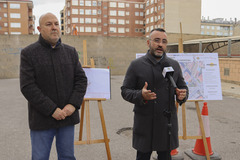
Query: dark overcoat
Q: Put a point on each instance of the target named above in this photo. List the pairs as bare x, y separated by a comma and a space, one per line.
51, 78
150, 132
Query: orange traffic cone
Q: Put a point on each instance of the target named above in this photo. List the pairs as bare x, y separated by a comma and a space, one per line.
199, 146
174, 152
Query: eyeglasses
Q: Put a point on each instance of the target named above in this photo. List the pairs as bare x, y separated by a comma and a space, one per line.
158, 40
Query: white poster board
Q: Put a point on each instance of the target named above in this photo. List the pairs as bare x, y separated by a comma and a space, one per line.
201, 73
98, 83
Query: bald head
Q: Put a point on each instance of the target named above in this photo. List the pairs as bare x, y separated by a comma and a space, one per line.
44, 16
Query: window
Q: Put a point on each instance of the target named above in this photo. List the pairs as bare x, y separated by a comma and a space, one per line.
88, 11
147, 12
152, 9
141, 13
14, 6
140, 22
113, 29
88, 3
68, 13
151, 19
74, 20
127, 21
136, 29
99, 3
99, 11
113, 13
94, 20
113, 21
113, 4
94, 29
15, 15
75, 2
15, 32
141, 6
99, 29
136, 5
147, 20
121, 21
152, 1
94, 12
121, 5
74, 11
88, 29
127, 4
121, 13
99, 20
82, 4
94, 3
121, 30
81, 20
88, 20
4, 5
202, 26
136, 13
81, 11
15, 25
127, 13
162, 6
5, 15
81, 29
127, 29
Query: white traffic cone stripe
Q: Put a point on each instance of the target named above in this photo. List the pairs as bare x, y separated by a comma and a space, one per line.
205, 120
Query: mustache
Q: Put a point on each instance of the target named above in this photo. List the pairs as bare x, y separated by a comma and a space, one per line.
160, 48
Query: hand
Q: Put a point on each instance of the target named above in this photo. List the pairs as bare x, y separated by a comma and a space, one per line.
147, 94
69, 109
59, 114
181, 93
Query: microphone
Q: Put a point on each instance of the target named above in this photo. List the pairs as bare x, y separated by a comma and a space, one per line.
168, 72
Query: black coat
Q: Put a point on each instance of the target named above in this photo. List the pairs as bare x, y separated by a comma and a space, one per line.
150, 132
51, 78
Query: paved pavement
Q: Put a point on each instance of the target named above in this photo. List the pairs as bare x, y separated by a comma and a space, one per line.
14, 133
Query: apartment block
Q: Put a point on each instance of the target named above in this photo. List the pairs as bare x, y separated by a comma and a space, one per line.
134, 18
217, 26
16, 17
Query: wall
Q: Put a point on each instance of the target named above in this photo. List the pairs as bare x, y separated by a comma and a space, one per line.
230, 69
113, 52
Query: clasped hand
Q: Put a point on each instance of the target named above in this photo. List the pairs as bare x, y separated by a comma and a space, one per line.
61, 114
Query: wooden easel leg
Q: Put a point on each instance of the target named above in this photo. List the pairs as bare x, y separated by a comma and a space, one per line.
202, 131
81, 121
106, 140
184, 121
88, 122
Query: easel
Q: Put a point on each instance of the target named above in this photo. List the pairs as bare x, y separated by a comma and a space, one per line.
185, 137
86, 104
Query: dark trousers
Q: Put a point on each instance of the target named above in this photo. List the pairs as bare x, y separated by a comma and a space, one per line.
163, 155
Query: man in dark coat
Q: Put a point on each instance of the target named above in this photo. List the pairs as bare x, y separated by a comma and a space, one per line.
54, 84
152, 94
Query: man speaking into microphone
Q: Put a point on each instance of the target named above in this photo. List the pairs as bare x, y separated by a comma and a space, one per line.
146, 85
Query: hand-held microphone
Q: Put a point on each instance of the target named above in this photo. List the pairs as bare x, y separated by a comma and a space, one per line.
168, 72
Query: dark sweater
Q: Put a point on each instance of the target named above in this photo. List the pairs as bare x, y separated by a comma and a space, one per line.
51, 78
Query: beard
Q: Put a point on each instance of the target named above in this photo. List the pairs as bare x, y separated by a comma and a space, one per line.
156, 55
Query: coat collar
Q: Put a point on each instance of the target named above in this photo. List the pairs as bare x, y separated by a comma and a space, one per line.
46, 44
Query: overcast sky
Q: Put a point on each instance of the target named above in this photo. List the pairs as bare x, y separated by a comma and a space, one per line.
210, 8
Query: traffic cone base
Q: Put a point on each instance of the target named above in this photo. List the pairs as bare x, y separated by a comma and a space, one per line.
199, 147
174, 152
